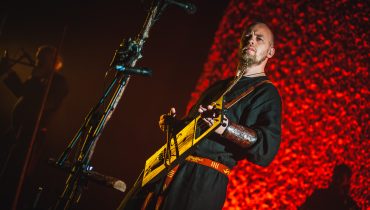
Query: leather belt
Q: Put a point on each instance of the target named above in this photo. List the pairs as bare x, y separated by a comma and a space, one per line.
210, 163
199, 160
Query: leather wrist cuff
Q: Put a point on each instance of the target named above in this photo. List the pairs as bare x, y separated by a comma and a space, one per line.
242, 136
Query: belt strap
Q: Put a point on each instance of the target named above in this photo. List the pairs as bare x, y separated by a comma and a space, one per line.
199, 160
210, 163
169, 178
247, 92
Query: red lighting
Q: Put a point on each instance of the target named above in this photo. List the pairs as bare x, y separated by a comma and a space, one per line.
321, 69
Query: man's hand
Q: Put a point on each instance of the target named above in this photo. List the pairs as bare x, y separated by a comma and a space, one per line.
209, 115
165, 119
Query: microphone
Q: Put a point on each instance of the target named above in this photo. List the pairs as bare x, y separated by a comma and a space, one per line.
108, 181
189, 7
94, 176
143, 71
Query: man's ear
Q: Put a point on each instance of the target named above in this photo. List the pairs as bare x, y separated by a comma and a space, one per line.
271, 52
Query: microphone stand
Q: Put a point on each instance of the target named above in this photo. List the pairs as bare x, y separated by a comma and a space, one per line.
128, 53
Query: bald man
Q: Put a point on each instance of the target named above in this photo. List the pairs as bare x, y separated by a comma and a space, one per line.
250, 130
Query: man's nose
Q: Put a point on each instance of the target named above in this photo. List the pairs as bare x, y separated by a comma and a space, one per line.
251, 41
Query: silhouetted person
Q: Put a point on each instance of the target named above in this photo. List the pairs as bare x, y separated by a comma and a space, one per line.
336, 196
24, 118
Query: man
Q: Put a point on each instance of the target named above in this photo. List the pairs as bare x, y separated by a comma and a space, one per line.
251, 130
30, 95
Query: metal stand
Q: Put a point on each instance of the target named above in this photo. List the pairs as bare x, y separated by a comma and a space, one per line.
126, 56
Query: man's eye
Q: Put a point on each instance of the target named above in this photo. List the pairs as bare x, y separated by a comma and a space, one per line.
247, 37
259, 39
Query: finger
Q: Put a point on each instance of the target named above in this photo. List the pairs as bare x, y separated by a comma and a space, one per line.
209, 107
161, 119
201, 109
207, 122
210, 120
173, 112
161, 125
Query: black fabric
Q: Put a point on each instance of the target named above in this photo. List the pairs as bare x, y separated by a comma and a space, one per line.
260, 110
196, 186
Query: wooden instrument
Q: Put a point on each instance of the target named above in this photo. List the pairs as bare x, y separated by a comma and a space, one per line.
180, 145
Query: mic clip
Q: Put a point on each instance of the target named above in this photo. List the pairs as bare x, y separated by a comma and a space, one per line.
142, 71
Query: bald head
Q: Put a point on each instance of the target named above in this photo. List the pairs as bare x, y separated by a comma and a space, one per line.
256, 45
264, 27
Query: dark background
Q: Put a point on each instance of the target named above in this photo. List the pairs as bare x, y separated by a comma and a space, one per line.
177, 47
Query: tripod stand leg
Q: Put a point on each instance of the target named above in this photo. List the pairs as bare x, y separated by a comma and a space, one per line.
133, 191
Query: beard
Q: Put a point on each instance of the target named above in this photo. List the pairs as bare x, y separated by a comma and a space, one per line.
247, 60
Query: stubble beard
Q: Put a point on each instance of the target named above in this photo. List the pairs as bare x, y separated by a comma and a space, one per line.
247, 61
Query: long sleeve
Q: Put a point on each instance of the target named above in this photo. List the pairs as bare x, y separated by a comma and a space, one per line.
265, 113
259, 111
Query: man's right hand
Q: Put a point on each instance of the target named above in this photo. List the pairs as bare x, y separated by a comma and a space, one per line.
165, 119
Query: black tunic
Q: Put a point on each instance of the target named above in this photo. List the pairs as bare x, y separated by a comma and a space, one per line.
198, 187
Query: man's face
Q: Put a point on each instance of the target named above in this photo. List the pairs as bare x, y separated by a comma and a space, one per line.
256, 45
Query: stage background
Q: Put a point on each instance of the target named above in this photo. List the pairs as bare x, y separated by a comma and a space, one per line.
320, 67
